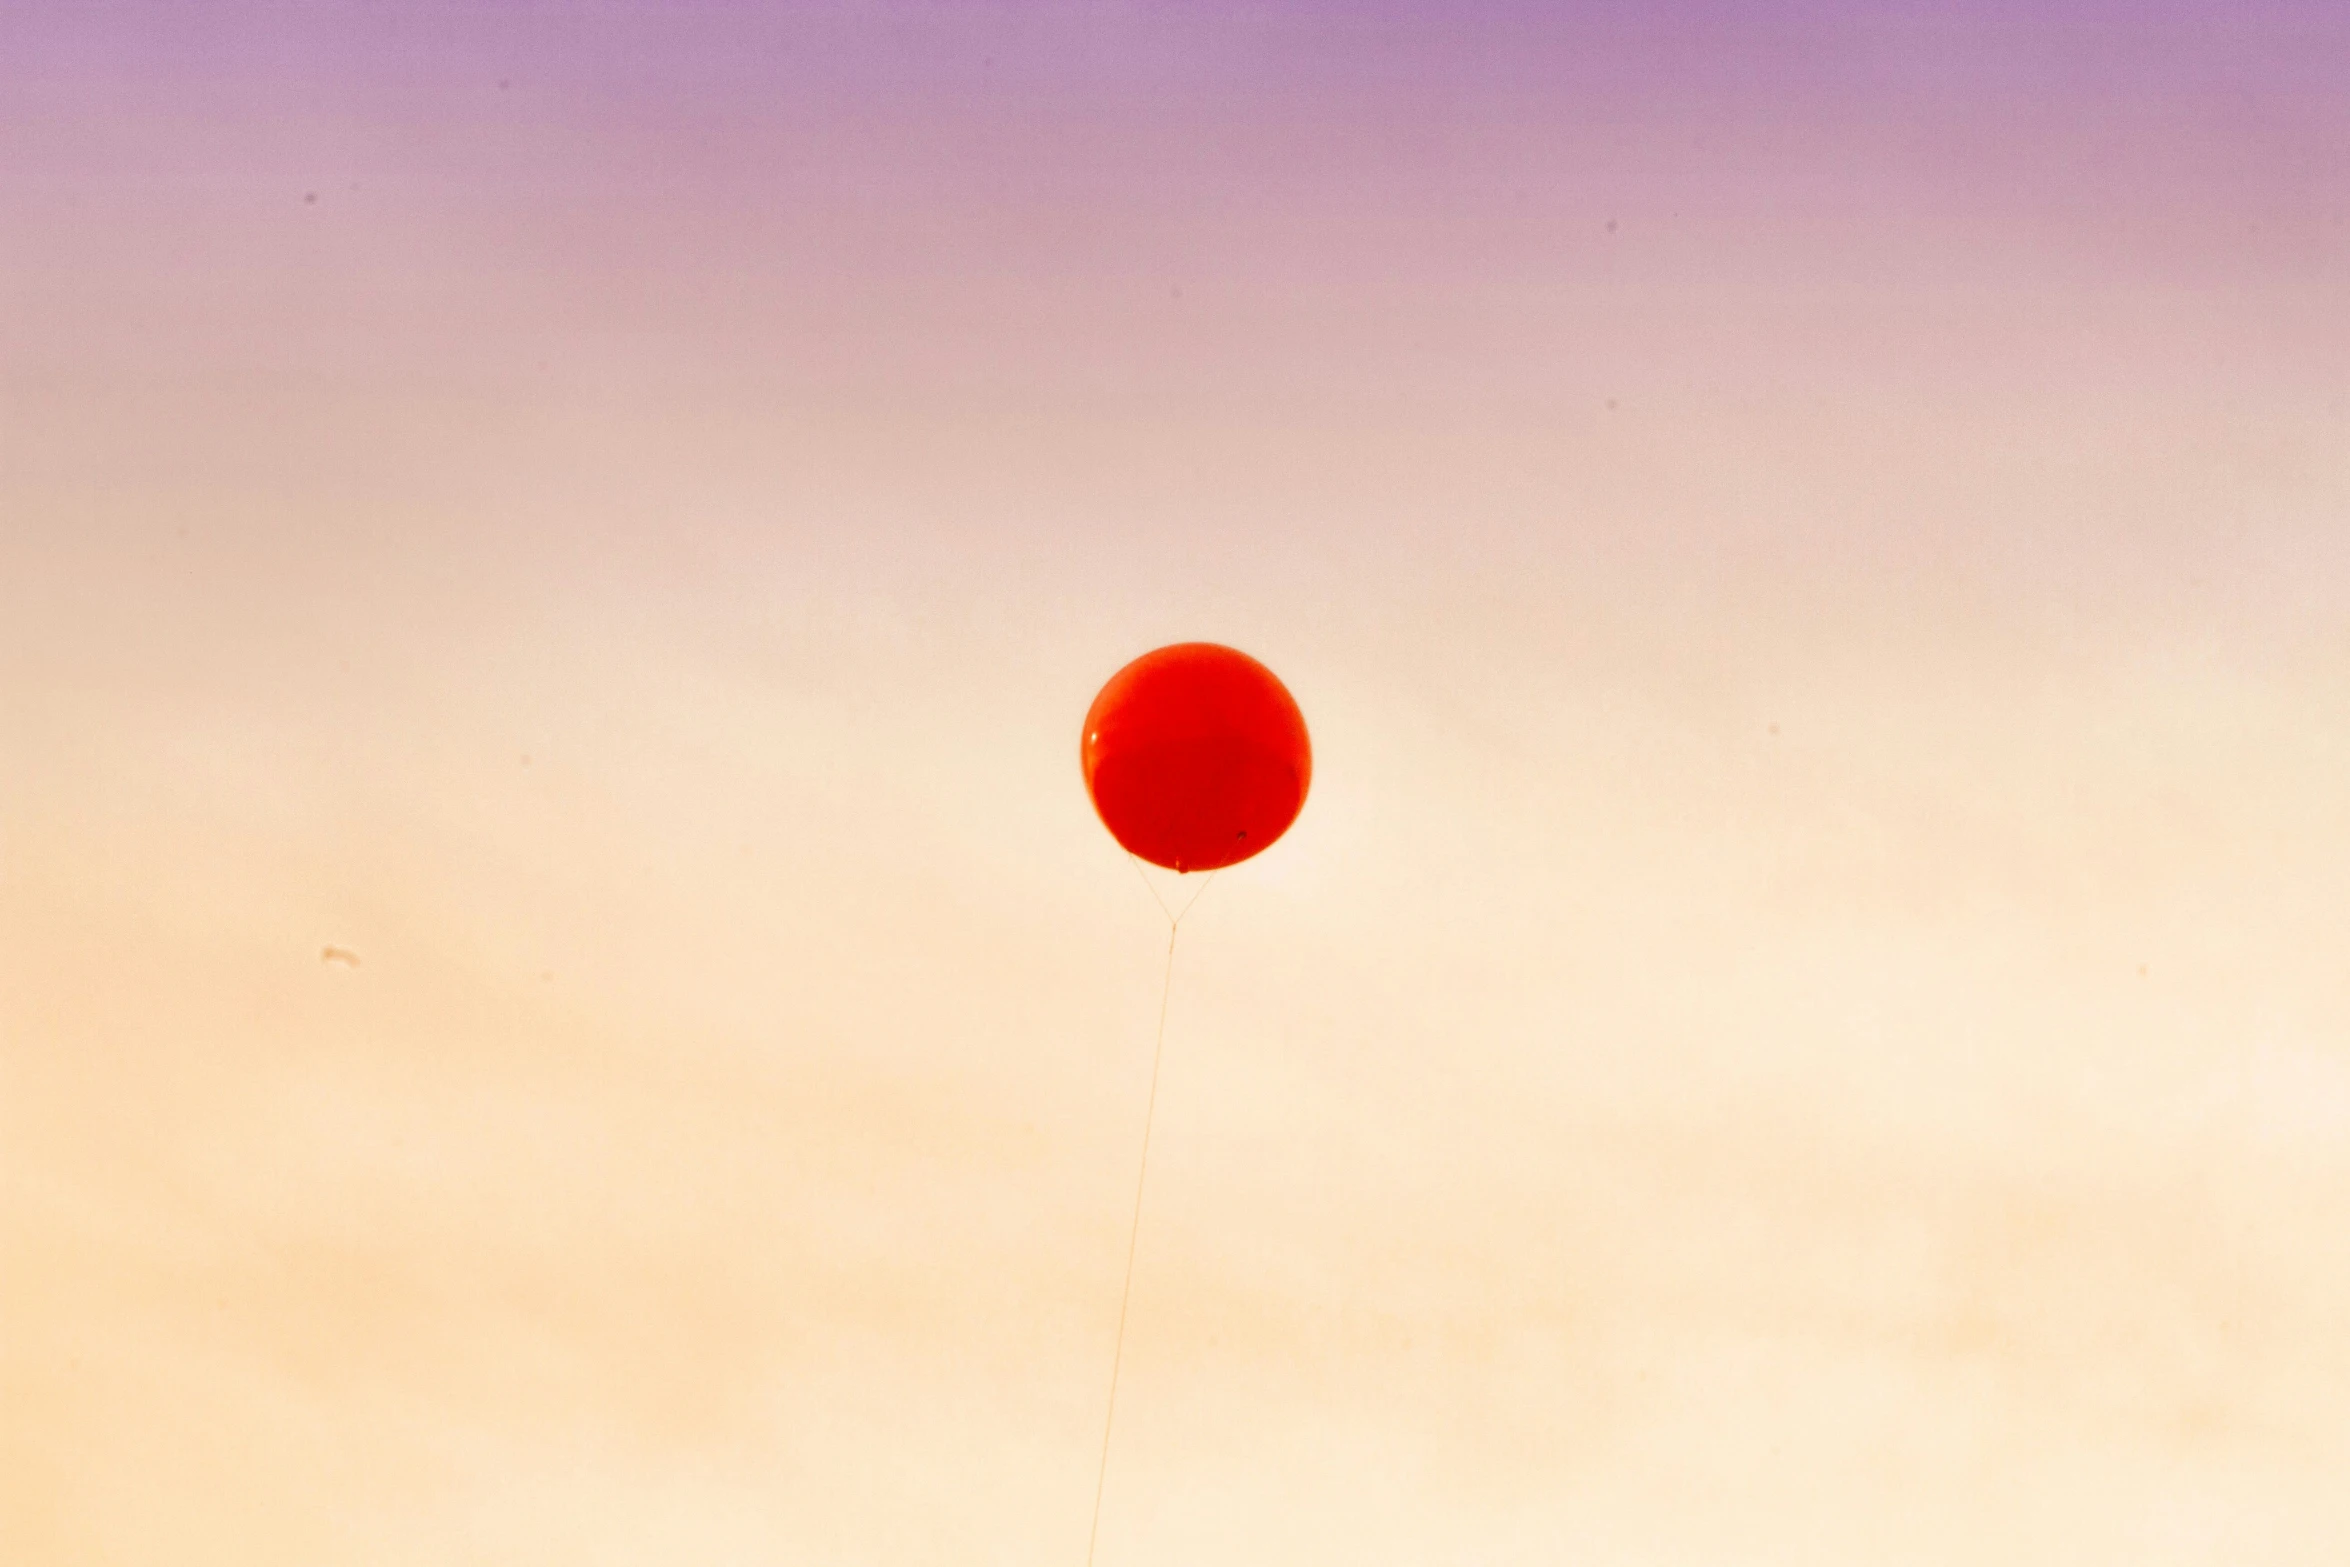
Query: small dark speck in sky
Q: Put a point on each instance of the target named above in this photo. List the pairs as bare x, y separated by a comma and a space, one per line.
342, 955
1611, 225
1611, 405
1774, 729
504, 82
310, 198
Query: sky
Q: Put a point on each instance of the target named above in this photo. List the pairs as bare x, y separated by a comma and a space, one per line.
1804, 1020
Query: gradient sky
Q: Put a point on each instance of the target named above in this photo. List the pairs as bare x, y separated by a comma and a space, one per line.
1805, 1021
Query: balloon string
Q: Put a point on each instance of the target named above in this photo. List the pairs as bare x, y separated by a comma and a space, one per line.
1210, 881
1150, 1117
1173, 917
1144, 877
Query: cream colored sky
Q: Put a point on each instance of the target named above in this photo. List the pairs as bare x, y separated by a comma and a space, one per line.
1607, 1128
1803, 1021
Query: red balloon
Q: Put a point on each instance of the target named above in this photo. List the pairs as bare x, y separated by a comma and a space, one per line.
1196, 757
